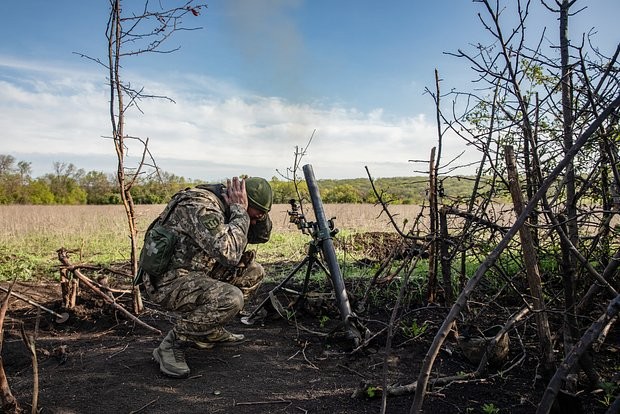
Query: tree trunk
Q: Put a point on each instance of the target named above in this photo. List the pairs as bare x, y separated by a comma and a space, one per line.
531, 265
117, 117
431, 294
446, 266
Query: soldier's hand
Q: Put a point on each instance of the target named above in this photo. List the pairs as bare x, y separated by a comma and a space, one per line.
247, 258
235, 192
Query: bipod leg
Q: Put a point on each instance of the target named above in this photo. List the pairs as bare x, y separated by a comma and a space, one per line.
312, 259
322, 266
249, 319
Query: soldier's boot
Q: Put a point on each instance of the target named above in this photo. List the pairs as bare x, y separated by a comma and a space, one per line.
171, 357
217, 336
222, 336
197, 341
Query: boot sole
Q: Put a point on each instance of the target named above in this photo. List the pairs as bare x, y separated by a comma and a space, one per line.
163, 370
210, 345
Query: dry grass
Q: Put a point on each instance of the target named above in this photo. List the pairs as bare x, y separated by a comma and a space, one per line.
30, 235
350, 217
88, 221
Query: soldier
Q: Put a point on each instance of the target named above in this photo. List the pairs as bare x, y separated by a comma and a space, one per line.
209, 274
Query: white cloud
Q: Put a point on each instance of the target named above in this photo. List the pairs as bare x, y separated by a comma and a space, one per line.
212, 130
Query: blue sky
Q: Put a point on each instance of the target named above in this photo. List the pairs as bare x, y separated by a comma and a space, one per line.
252, 84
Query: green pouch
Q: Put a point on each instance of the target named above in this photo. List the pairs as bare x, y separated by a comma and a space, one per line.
157, 250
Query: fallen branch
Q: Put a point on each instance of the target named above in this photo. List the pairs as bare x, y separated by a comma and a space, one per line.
575, 353
604, 332
352, 371
303, 353
119, 352
99, 268
9, 402
482, 366
144, 406
62, 256
470, 377
263, 402
98, 284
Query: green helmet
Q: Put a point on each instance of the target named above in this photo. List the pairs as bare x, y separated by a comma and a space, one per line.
259, 193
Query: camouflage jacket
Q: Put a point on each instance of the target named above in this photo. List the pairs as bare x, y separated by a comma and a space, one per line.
211, 233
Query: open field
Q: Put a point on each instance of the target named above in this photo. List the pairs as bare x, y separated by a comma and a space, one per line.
30, 235
16, 220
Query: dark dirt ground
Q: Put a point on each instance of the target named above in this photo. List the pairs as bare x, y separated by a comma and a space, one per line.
99, 362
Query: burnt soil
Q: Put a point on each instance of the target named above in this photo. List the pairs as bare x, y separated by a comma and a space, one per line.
100, 362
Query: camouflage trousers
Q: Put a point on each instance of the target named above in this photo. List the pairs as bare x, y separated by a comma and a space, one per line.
202, 301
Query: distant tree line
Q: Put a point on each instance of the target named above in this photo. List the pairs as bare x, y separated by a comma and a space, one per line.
68, 184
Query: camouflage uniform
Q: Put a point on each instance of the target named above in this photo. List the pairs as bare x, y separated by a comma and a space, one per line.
210, 273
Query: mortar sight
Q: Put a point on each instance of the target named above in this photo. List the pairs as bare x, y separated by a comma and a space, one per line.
294, 215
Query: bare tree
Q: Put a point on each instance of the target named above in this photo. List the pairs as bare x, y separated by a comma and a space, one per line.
132, 34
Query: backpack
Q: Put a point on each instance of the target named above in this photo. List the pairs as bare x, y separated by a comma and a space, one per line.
158, 245
157, 250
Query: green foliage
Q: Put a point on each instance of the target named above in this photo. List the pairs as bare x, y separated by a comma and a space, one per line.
372, 392
38, 192
21, 266
98, 187
64, 184
158, 190
344, 193
490, 408
610, 389
394, 190
71, 185
283, 191
281, 247
413, 330
535, 73
13, 178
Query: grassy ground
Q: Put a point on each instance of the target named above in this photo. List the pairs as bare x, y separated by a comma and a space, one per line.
31, 235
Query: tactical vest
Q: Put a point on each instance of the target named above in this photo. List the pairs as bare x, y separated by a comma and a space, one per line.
159, 242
